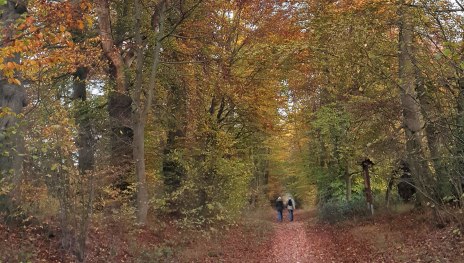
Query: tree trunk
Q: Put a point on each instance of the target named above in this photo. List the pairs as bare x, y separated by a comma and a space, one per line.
110, 50
348, 184
412, 117
432, 134
367, 185
119, 102
85, 140
119, 107
142, 107
13, 99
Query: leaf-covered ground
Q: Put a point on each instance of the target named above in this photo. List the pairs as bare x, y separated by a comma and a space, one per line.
399, 238
407, 237
384, 238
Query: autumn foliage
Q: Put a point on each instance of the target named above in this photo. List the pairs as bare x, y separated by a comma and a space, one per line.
158, 119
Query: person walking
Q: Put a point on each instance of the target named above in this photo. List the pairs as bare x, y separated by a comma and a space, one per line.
280, 207
290, 208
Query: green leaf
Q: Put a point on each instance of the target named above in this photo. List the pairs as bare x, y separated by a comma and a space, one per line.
447, 52
54, 167
2, 2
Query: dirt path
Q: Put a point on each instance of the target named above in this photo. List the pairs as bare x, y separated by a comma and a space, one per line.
306, 240
380, 239
290, 242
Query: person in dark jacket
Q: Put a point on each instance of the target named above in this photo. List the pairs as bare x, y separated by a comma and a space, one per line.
290, 208
280, 208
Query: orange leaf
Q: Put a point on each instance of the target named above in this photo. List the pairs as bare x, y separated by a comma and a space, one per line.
10, 65
29, 20
80, 24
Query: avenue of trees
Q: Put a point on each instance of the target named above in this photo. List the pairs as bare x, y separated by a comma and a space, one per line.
195, 110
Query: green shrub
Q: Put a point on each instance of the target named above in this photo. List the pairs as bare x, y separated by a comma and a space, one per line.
336, 211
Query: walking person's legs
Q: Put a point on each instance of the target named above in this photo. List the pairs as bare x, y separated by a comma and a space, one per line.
290, 214
279, 215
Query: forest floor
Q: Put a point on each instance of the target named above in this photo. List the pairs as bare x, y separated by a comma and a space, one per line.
399, 237
405, 237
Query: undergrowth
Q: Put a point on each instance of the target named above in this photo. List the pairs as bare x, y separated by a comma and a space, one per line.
336, 211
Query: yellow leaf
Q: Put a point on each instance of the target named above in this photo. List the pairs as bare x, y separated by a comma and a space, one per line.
89, 21
62, 28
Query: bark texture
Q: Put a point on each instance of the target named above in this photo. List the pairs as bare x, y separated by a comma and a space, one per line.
142, 106
119, 102
412, 117
13, 99
85, 140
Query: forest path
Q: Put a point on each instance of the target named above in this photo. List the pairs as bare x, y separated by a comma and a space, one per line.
290, 242
378, 239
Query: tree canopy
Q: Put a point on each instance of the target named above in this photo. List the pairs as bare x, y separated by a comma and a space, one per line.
197, 110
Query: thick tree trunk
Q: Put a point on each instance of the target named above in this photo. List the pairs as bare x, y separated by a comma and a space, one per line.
119, 107
433, 140
119, 102
412, 117
13, 99
110, 50
85, 140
